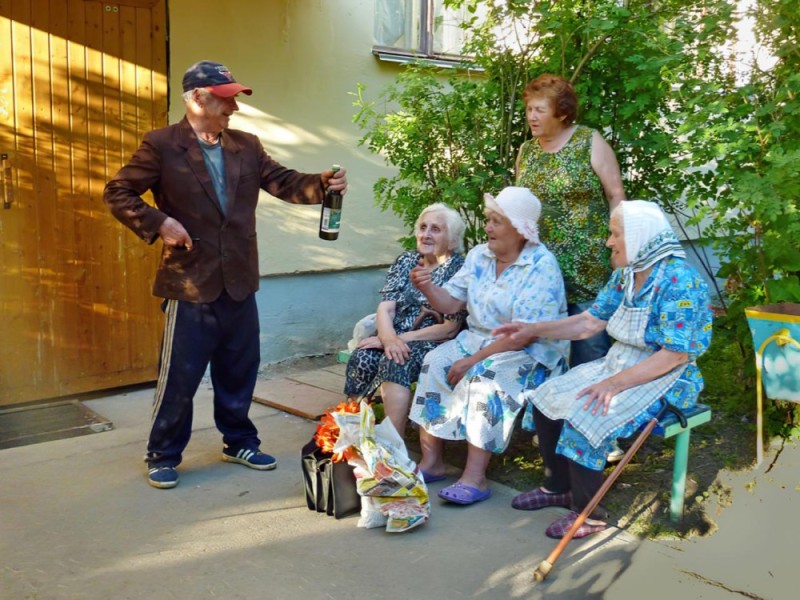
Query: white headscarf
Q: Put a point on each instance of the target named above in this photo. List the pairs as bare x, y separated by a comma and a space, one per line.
648, 238
521, 207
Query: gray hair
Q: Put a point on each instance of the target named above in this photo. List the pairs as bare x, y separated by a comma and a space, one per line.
188, 96
455, 225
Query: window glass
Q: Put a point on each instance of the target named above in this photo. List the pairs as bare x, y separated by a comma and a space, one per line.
448, 37
419, 27
397, 23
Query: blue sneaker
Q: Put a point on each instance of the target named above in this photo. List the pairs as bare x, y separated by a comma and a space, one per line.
162, 477
255, 459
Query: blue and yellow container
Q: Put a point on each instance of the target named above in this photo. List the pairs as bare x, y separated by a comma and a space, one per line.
776, 338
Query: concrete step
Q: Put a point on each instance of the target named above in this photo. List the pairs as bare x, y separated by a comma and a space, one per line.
307, 394
330, 378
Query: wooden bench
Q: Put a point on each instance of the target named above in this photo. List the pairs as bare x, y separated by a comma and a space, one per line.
668, 427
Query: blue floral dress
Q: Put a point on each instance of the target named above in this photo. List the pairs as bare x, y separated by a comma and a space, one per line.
679, 319
484, 405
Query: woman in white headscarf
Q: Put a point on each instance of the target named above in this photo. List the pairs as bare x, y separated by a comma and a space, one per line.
657, 308
469, 387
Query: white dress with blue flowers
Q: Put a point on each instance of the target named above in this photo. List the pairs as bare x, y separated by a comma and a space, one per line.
484, 405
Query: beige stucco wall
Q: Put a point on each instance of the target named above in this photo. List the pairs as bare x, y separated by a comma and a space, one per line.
302, 58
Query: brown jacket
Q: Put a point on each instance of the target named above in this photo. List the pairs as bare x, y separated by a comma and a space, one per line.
224, 255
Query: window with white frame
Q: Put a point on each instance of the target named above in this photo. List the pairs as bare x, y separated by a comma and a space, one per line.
406, 30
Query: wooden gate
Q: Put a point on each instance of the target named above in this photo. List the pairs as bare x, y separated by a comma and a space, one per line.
80, 82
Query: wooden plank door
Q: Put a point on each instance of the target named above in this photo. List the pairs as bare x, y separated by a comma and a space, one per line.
80, 82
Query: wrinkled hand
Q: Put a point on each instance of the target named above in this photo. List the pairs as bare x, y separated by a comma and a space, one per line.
335, 181
174, 235
421, 277
599, 395
372, 342
423, 314
459, 369
397, 350
519, 332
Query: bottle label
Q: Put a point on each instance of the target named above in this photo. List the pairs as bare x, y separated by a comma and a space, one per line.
331, 219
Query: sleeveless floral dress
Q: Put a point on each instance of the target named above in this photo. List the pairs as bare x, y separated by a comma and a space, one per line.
574, 221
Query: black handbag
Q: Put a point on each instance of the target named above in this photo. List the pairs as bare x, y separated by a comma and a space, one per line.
330, 486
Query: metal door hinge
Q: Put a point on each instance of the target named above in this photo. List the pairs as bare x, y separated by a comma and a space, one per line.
7, 187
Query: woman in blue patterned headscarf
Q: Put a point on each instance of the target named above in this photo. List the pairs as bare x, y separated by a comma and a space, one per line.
657, 308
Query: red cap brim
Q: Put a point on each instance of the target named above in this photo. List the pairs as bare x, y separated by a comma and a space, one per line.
227, 90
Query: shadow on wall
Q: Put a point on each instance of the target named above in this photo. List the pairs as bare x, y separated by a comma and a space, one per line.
313, 314
287, 233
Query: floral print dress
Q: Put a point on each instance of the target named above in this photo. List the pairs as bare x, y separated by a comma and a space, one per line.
574, 221
484, 405
679, 319
370, 366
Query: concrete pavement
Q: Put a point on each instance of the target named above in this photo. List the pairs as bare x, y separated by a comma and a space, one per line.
78, 521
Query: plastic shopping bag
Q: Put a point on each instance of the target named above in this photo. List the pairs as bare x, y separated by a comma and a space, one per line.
384, 472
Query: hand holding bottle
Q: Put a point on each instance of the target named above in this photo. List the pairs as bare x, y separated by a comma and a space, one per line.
335, 179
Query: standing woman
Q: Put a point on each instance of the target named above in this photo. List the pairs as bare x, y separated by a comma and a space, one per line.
574, 172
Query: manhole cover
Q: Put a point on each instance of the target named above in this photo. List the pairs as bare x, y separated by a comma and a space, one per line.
46, 422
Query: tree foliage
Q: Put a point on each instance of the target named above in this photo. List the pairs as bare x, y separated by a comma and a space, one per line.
454, 136
740, 151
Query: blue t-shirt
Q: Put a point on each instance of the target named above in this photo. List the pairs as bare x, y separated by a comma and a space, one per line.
215, 163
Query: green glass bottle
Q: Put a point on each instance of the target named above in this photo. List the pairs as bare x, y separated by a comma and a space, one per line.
330, 218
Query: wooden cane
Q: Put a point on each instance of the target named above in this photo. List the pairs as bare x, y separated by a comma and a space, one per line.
544, 567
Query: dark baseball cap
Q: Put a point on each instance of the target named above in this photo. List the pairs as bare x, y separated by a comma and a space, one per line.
216, 78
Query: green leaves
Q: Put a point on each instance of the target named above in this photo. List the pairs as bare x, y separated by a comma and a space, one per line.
444, 136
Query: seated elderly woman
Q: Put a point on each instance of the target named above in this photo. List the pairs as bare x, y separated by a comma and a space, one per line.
656, 307
468, 387
407, 328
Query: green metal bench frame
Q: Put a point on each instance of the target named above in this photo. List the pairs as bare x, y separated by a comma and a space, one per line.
670, 427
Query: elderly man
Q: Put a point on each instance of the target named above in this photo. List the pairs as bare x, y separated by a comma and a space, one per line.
205, 179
